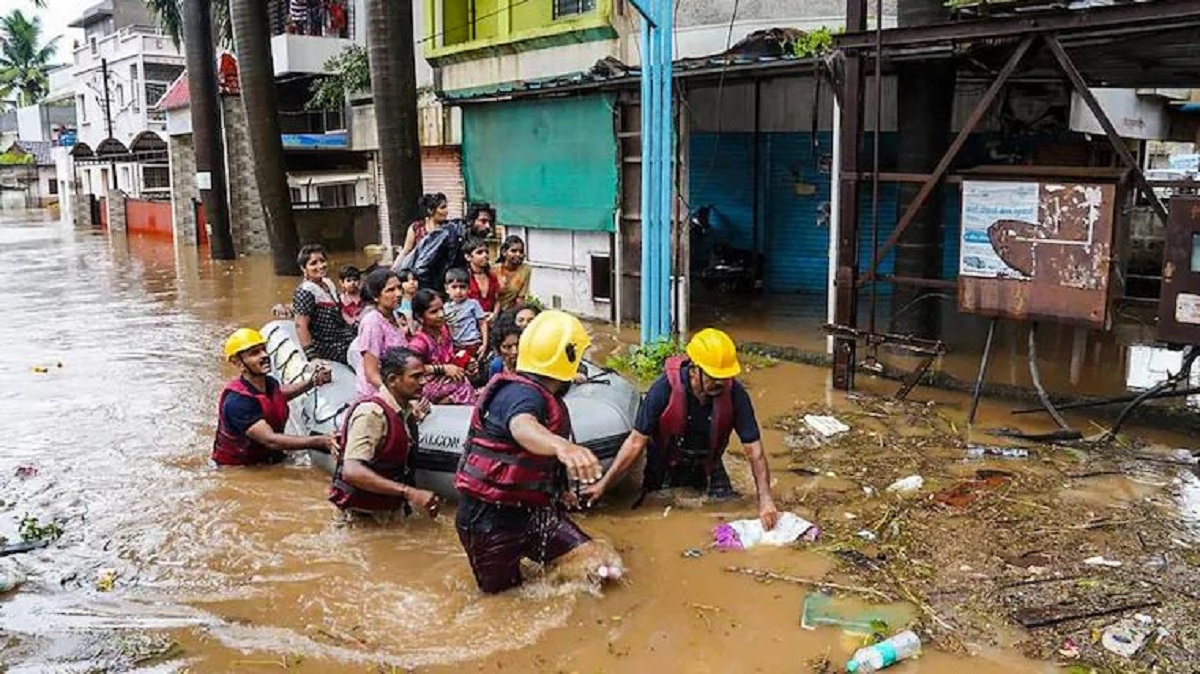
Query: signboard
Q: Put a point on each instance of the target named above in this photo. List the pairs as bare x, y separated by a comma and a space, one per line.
316, 141
1054, 238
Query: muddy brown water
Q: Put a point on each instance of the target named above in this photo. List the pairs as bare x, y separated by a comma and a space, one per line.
248, 570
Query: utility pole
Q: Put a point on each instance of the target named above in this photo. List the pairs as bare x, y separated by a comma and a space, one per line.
207, 132
108, 122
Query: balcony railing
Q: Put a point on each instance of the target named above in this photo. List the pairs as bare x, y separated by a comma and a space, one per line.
320, 18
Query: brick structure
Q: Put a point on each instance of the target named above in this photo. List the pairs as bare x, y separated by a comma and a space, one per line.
184, 193
246, 216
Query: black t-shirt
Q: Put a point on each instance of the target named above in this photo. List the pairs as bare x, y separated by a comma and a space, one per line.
699, 417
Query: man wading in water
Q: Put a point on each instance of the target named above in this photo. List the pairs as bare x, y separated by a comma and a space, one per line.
686, 419
510, 478
253, 409
374, 474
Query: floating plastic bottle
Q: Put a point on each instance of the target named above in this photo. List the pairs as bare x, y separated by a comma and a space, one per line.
885, 653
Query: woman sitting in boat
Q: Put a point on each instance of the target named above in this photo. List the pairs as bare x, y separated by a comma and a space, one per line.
322, 330
435, 209
449, 383
513, 273
380, 330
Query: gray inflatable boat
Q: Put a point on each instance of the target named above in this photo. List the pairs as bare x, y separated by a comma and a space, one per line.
602, 412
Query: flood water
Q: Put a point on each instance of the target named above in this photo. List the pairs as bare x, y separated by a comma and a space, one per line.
248, 570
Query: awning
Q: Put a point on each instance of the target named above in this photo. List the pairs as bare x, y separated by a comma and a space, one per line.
302, 180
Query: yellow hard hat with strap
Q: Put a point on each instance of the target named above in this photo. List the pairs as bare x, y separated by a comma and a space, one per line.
714, 352
243, 339
552, 346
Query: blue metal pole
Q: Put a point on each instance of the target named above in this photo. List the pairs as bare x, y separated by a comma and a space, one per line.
647, 186
667, 164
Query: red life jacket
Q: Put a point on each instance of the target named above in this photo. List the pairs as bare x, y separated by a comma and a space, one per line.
672, 425
240, 450
498, 470
391, 461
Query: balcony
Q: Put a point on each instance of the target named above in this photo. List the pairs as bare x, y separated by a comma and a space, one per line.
459, 30
129, 42
303, 41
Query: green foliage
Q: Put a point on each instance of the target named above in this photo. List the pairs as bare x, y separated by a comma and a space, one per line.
15, 159
814, 43
33, 530
644, 362
24, 60
170, 19
351, 72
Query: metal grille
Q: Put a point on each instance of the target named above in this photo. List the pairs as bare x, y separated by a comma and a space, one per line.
565, 8
156, 177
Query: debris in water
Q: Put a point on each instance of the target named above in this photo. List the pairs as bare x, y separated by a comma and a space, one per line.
33, 530
866, 535
886, 653
23, 547
1101, 561
692, 553
26, 471
907, 485
747, 533
994, 452
1070, 649
965, 493
1126, 638
106, 580
825, 426
853, 617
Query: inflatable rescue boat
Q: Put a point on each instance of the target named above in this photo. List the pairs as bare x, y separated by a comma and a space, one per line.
602, 412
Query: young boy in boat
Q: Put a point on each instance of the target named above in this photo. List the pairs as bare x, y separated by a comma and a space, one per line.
374, 475
253, 409
465, 316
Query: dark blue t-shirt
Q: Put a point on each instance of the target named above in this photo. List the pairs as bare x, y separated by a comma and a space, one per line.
699, 418
241, 412
511, 400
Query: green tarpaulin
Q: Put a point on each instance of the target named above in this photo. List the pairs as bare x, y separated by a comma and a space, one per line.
546, 163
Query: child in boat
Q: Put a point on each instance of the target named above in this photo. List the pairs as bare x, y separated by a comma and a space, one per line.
467, 319
482, 283
352, 302
408, 289
505, 340
448, 383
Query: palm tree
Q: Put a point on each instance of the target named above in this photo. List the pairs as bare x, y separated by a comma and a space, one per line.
252, 40
24, 61
170, 18
394, 90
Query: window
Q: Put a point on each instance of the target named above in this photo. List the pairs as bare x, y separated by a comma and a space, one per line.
154, 92
335, 196
53, 187
126, 182
92, 44
81, 109
120, 96
156, 177
600, 273
133, 87
571, 8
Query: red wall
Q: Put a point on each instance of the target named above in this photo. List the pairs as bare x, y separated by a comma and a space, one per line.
148, 217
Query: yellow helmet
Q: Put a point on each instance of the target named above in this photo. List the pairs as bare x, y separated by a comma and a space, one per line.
552, 345
243, 339
713, 352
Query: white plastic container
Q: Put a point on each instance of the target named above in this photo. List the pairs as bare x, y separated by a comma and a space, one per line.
885, 653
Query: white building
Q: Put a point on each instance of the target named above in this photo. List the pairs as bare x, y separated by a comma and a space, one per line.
122, 68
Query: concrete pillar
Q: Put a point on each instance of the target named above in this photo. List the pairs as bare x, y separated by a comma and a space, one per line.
116, 210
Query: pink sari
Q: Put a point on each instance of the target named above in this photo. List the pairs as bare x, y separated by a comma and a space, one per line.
441, 390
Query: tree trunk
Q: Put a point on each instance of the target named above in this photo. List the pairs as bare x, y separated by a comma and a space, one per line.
924, 102
206, 124
394, 89
252, 40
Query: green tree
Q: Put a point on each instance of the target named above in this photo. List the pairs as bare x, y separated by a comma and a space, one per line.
170, 19
24, 60
350, 73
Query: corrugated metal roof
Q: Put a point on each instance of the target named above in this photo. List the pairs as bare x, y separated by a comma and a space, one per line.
40, 149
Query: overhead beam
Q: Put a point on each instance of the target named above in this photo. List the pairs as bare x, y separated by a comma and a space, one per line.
1118, 143
931, 182
1138, 16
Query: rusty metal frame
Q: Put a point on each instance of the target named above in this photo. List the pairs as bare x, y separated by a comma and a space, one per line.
931, 182
929, 349
1126, 18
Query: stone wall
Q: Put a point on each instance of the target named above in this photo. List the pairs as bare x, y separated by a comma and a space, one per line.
247, 221
184, 193
115, 202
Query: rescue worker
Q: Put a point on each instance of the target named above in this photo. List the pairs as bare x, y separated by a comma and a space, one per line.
686, 420
511, 476
253, 408
374, 474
